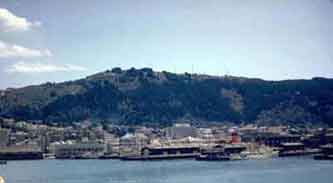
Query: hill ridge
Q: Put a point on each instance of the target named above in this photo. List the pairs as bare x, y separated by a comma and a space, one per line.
142, 96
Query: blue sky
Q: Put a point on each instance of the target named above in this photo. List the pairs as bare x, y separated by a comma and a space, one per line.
47, 40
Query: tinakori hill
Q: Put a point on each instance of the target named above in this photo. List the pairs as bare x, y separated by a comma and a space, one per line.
145, 97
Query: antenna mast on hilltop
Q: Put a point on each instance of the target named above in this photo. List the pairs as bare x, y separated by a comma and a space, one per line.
226, 69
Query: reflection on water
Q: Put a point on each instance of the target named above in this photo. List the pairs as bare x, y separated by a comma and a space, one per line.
295, 170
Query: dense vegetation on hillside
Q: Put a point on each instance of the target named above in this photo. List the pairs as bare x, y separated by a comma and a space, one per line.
142, 96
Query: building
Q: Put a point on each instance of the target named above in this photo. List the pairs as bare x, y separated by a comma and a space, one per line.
205, 133
18, 137
44, 142
4, 137
275, 141
179, 131
132, 143
79, 151
112, 143
291, 149
317, 140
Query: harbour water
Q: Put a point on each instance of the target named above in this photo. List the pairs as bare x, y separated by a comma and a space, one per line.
293, 170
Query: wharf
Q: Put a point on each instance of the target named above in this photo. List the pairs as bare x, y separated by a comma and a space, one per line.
160, 157
21, 155
326, 153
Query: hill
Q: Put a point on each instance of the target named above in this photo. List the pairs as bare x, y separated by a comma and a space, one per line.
142, 96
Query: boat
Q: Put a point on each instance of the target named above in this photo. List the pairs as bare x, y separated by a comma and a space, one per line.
49, 156
212, 156
222, 153
109, 156
261, 153
255, 155
236, 157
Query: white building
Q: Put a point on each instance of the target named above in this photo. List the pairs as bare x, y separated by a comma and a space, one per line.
179, 131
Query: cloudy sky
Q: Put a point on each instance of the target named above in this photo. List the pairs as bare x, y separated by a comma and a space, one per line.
48, 40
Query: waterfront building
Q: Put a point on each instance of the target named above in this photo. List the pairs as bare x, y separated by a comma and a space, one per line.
205, 133
4, 137
144, 130
18, 137
112, 143
276, 140
179, 131
221, 132
318, 140
326, 153
132, 143
292, 149
80, 150
44, 142
56, 135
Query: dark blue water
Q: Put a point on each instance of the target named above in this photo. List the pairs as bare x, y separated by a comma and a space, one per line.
293, 170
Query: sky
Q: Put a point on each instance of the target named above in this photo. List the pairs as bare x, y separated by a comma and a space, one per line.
52, 41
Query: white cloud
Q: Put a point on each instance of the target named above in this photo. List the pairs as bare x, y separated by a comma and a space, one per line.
16, 51
22, 67
10, 22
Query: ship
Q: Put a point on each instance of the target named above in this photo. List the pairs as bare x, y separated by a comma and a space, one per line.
222, 153
216, 154
261, 153
166, 152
